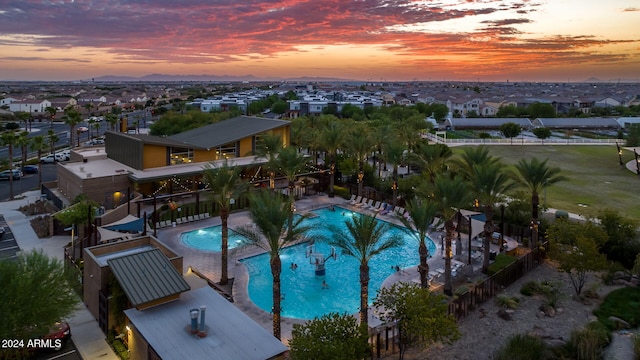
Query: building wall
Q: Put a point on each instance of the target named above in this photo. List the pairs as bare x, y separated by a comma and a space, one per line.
137, 344
154, 156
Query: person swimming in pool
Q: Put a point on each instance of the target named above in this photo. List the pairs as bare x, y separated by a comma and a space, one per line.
324, 284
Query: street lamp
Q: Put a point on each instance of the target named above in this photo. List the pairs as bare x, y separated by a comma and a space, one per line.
619, 154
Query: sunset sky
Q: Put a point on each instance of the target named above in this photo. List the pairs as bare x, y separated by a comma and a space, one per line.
369, 40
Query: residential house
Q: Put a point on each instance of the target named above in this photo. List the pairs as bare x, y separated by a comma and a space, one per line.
30, 106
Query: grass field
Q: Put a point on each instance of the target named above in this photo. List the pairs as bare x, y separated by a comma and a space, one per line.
596, 179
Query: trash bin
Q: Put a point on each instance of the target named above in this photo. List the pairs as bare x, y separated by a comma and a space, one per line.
492, 255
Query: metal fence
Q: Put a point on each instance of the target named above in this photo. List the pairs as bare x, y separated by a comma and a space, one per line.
383, 340
524, 141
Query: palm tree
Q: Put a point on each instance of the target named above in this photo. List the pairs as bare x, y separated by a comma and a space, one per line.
52, 114
394, 154
270, 213
268, 148
431, 159
38, 144
331, 140
489, 184
23, 142
422, 213
53, 139
365, 238
471, 156
535, 175
360, 144
9, 139
225, 183
73, 118
450, 194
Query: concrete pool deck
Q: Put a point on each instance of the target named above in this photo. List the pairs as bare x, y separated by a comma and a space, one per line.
208, 263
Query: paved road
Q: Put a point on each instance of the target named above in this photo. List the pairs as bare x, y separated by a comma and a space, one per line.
28, 182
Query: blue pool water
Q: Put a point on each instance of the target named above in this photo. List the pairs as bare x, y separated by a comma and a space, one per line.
209, 239
304, 296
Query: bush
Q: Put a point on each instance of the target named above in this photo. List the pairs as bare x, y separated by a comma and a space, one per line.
623, 303
508, 302
341, 191
589, 342
523, 347
530, 288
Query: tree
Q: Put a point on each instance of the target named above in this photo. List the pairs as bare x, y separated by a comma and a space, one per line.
430, 159
39, 145
112, 120
510, 130
270, 213
52, 114
332, 336
23, 142
420, 315
542, 133
225, 184
9, 139
331, 139
535, 175
365, 238
541, 110
73, 118
53, 139
268, 148
633, 135
394, 154
422, 213
622, 243
35, 294
450, 194
575, 247
359, 144
489, 184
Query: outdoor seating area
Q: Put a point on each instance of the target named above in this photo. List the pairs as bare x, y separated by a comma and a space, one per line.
183, 220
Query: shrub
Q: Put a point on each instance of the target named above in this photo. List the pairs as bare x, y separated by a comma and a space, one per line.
589, 342
623, 303
508, 302
530, 288
523, 347
341, 191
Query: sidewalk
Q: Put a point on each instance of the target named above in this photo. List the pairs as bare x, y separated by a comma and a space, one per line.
86, 335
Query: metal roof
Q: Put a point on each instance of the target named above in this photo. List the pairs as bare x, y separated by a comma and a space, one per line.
147, 276
586, 122
231, 334
227, 131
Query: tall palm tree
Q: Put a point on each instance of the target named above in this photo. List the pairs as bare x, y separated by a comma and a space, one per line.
73, 118
112, 120
331, 139
39, 144
53, 139
422, 213
471, 156
431, 159
225, 183
23, 143
535, 175
365, 238
394, 154
9, 139
359, 144
52, 114
268, 149
450, 194
489, 183
270, 213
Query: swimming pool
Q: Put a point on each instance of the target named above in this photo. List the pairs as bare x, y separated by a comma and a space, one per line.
210, 239
303, 294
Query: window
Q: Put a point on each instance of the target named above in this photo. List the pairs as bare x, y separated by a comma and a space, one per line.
180, 156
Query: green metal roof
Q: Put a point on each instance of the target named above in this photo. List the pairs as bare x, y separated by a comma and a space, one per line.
147, 276
227, 131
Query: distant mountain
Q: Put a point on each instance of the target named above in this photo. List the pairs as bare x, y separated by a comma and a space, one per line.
215, 78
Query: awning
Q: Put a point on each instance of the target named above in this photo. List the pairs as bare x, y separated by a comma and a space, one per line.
128, 223
108, 235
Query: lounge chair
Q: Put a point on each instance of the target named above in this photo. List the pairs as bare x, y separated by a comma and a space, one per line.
375, 206
368, 204
363, 202
356, 200
381, 207
386, 210
353, 197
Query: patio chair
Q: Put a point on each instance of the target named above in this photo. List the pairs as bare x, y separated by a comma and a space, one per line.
353, 197
356, 200
380, 207
375, 206
386, 210
361, 203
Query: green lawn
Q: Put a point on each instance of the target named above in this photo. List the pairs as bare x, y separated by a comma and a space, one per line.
596, 178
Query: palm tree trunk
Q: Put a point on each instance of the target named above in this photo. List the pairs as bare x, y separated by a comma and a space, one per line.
423, 268
11, 172
224, 252
360, 177
535, 202
488, 232
364, 295
332, 174
394, 186
448, 285
276, 269
39, 169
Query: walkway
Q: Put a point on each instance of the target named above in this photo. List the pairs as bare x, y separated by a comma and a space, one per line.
86, 335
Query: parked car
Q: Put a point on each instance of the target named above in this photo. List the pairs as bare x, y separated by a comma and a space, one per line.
65, 155
51, 158
5, 175
60, 330
30, 169
82, 129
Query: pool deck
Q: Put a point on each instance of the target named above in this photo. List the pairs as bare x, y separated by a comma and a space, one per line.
207, 264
